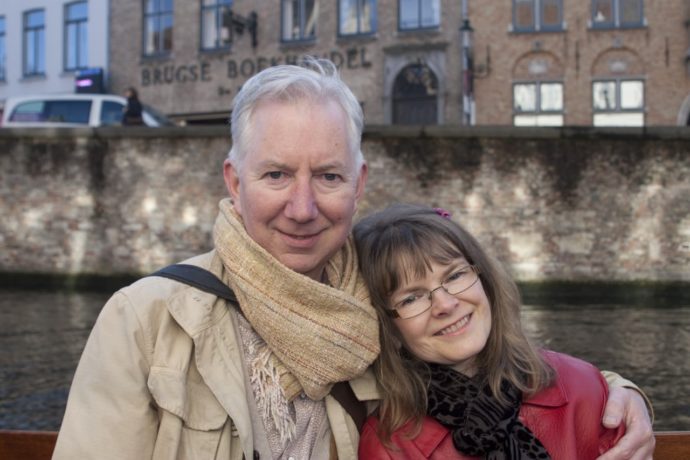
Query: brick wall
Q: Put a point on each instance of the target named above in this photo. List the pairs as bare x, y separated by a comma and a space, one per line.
553, 204
190, 81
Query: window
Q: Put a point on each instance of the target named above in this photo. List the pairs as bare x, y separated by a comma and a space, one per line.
537, 15
618, 102
53, 111
158, 26
538, 104
617, 13
357, 17
419, 14
34, 43
299, 19
2, 49
76, 38
111, 113
213, 34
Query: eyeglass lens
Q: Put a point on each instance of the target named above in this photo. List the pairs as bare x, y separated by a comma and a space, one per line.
419, 302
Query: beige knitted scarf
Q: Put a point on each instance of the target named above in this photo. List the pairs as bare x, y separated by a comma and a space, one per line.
316, 334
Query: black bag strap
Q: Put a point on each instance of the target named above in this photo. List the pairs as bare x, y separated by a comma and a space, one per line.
198, 277
203, 279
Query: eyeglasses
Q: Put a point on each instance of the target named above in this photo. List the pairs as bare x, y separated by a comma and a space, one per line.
416, 303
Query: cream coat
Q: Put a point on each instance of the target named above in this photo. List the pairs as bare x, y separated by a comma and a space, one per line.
162, 377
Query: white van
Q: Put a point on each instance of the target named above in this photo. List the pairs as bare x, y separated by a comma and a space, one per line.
72, 110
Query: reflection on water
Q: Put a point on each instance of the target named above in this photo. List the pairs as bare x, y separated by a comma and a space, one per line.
42, 335
648, 346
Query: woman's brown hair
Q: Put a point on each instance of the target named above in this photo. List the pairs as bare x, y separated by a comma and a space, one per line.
399, 244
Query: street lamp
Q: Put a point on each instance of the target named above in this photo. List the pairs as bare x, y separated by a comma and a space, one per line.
466, 32
236, 23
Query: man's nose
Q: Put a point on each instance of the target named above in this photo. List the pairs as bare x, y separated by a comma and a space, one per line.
301, 205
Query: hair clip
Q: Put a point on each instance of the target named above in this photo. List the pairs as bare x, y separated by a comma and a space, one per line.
442, 212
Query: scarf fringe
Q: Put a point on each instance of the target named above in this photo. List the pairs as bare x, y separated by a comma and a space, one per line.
270, 397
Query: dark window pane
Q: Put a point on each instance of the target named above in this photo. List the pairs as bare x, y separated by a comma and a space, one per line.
602, 13
348, 17
524, 14
76, 11
551, 13
34, 19
111, 113
28, 111
409, 14
431, 14
68, 111
167, 23
630, 12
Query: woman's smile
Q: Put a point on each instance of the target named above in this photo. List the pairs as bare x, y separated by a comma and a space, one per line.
456, 327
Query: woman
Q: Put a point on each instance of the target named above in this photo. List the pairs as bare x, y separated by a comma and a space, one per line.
131, 113
459, 377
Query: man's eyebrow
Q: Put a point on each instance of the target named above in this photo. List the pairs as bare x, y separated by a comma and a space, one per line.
336, 165
272, 164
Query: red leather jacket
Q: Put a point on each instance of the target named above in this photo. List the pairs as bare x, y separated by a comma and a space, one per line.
565, 417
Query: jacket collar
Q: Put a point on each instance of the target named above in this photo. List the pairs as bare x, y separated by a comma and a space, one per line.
553, 396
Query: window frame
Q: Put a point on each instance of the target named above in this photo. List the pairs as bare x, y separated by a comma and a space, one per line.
66, 45
419, 26
158, 15
538, 111
218, 7
373, 4
615, 23
618, 84
537, 11
3, 48
41, 71
303, 18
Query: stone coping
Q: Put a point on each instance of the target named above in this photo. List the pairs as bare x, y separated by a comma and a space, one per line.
373, 132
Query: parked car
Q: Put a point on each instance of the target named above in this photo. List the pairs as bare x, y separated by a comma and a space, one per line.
72, 110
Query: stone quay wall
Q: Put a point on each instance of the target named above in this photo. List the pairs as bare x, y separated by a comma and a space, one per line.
553, 204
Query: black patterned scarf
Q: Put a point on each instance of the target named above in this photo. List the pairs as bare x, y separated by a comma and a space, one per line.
480, 425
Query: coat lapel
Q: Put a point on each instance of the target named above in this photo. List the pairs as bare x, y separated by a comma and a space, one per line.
218, 356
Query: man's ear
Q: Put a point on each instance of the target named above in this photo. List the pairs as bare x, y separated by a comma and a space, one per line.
361, 181
232, 183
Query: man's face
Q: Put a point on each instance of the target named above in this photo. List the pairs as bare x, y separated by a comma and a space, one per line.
298, 187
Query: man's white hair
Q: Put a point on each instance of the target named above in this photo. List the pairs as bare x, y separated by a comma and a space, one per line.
313, 80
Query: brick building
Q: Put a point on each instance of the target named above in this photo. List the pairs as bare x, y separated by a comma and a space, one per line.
524, 62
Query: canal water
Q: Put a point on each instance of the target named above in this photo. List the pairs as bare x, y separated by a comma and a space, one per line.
42, 335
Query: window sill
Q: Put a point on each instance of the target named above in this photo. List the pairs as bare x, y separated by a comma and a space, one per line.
369, 37
435, 30
33, 77
215, 51
147, 58
538, 32
298, 43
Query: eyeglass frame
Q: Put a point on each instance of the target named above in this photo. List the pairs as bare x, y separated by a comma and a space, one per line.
393, 312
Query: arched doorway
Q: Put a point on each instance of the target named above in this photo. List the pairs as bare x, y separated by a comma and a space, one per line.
415, 96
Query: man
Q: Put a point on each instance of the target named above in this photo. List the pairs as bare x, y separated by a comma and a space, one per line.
171, 372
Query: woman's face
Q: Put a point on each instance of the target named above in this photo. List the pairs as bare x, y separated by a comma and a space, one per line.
456, 327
